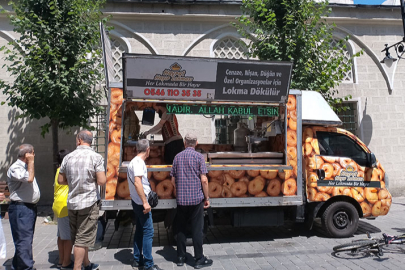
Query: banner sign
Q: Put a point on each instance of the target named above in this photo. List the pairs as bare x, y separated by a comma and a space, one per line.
222, 110
348, 178
334, 183
190, 78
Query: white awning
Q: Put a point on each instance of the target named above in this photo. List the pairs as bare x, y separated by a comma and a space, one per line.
316, 110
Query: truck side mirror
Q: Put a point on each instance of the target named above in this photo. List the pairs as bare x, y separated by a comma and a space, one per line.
148, 116
373, 160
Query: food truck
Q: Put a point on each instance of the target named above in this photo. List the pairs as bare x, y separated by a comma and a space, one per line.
275, 154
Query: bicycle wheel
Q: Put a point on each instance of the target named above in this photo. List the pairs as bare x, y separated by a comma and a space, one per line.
355, 245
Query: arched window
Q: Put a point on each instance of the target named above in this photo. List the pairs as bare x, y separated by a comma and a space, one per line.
348, 76
230, 48
117, 49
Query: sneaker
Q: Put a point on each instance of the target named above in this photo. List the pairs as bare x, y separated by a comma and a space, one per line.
203, 262
92, 266
136, 265
59, 265
181, 261
70, 266
155, 267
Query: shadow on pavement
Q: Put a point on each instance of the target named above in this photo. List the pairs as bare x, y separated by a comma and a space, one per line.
365, 227
53, 258
400, 230
170, 254
229, 234
124, 256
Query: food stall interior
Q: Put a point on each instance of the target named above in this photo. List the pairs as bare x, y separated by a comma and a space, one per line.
244, 134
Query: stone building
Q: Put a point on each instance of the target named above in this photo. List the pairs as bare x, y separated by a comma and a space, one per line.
203, 28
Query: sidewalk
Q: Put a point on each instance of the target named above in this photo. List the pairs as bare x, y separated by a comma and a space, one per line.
234, 248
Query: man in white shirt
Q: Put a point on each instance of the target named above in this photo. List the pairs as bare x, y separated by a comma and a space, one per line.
24, 195
139, 188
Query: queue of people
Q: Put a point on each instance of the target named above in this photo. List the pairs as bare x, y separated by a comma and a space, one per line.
77, 202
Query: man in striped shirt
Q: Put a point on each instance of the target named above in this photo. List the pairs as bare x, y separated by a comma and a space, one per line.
191, 186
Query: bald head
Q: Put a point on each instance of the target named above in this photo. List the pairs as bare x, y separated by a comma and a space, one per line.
85, 136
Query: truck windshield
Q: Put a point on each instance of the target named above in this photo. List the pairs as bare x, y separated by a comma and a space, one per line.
335, 144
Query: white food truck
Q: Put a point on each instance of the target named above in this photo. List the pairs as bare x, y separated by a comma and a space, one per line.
275, 153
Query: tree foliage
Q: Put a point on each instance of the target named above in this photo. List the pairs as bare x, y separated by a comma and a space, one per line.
53, 75
296, 31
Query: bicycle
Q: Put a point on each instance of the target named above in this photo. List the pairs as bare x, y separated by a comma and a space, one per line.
370, 244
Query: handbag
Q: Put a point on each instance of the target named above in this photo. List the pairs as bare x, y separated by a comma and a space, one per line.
153, 199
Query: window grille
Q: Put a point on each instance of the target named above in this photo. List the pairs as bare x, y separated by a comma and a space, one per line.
99, 123
117, 49
348, 75
230, 48
349, 117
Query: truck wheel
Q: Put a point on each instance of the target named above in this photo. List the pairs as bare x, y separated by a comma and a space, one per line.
340, 219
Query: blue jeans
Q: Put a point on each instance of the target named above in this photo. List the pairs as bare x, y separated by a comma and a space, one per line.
143, 237
22, 222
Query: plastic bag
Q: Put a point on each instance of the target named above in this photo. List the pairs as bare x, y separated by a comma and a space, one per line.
2, 242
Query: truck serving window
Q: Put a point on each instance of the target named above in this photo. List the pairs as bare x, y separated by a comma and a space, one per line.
335, 144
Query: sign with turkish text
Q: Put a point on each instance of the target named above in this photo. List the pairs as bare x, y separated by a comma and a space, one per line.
348, 178
222, 110
187, 78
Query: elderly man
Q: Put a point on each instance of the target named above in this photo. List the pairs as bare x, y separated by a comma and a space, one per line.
191, 184
83, 170
24, 195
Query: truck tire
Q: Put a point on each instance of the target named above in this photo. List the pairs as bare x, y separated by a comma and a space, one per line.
340, 219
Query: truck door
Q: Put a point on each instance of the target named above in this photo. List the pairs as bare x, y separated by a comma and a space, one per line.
348, 170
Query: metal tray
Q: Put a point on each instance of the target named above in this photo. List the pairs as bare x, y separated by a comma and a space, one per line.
245, 155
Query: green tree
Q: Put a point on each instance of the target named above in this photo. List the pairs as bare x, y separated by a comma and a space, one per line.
296, 31
55, 63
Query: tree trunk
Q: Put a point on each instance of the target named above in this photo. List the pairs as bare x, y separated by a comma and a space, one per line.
55, 144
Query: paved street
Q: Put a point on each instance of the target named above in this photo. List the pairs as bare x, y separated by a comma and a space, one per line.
234, 248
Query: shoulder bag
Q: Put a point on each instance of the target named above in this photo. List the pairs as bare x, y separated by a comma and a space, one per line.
152, 198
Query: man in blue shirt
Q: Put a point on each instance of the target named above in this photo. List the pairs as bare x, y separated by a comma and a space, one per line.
191, 187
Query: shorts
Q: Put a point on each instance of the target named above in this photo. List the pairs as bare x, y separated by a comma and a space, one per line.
83, 225
64, 228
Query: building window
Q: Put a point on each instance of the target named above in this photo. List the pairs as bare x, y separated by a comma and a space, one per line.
230, 48
349, 117
348, 76
117, 49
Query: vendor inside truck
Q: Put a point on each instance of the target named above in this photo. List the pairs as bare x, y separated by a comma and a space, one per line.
169, 128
